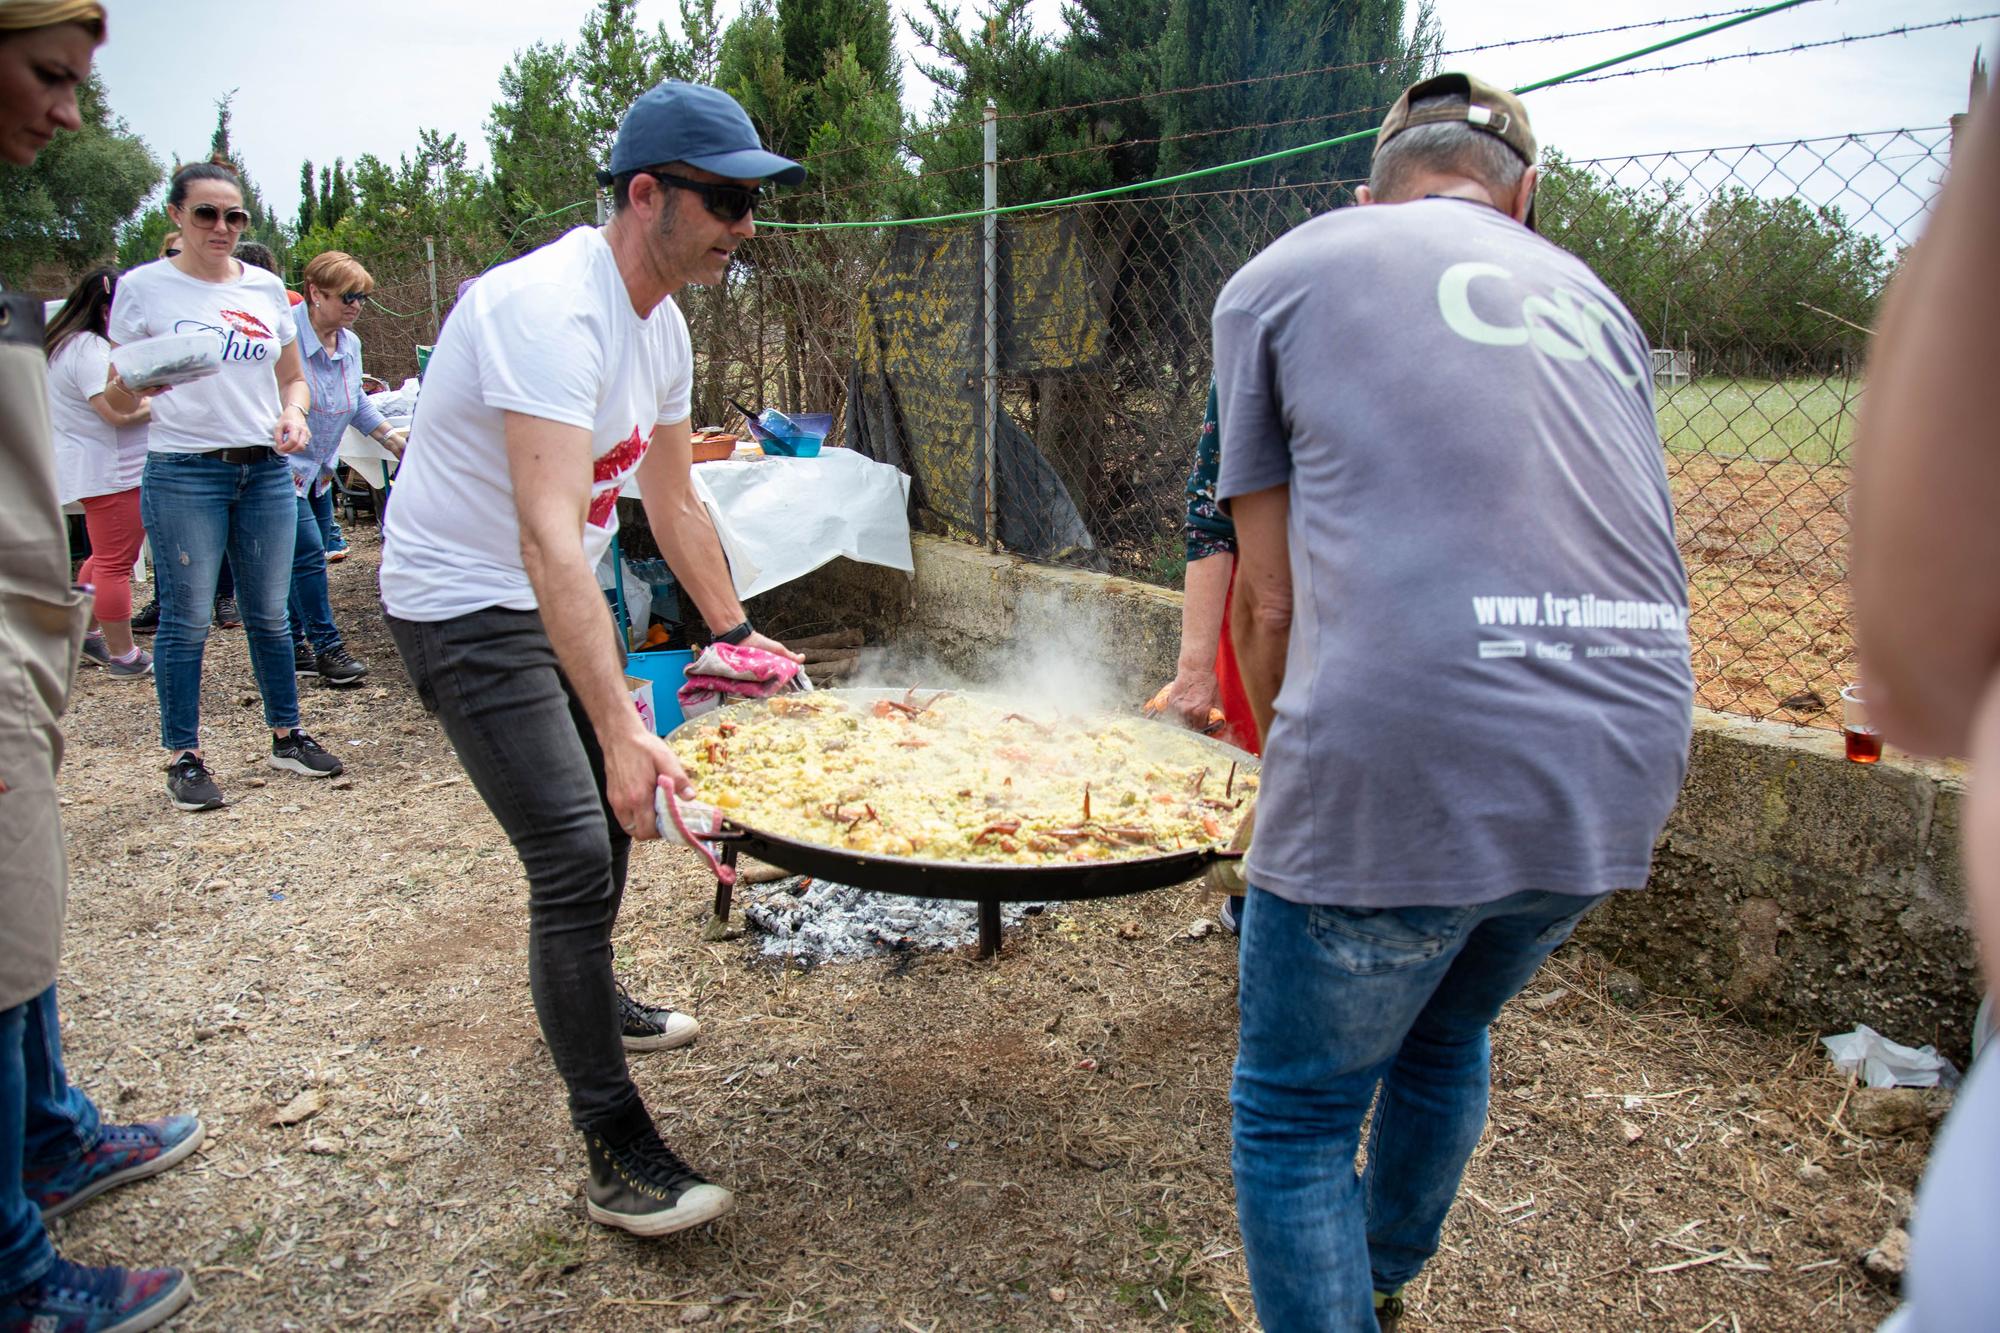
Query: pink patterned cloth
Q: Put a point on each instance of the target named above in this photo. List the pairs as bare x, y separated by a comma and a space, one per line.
739, 670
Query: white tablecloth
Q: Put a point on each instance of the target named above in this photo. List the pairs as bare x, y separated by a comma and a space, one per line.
370, 461
780, 518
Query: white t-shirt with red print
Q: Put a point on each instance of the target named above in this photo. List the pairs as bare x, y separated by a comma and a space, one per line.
248, 316
551, 335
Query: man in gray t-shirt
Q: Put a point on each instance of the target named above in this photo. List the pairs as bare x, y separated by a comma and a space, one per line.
1461, 619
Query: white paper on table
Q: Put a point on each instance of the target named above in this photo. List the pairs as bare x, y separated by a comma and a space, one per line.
781, 518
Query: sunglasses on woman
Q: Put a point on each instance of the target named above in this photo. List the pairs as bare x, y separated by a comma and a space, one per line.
353, 298
207, 215
731, 203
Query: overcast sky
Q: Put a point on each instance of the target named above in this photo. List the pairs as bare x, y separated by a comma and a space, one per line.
339, 79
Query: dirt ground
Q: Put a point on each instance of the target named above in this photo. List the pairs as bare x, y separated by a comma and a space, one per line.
918, 1143
1768, 603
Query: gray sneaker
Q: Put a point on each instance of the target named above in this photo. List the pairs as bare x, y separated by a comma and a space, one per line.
94, 650
301, 754
138, 668
191, 785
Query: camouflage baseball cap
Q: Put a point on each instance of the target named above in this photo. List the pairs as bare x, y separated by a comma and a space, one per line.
1492, 109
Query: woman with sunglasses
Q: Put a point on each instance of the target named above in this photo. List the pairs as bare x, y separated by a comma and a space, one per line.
216, 479
336, 287
100, 454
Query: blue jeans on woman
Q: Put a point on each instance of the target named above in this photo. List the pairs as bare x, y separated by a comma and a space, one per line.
197, 508
311, 604
1335, 1000
42, 1120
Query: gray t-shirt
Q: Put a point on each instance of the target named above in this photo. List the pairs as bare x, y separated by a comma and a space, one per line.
1487, 688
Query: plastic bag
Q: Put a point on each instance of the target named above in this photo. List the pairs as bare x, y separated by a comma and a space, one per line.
1882, 1063
170, 359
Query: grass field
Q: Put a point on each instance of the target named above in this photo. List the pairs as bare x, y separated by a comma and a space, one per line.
1806, 421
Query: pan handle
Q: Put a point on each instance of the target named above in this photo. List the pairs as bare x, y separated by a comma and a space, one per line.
668, 811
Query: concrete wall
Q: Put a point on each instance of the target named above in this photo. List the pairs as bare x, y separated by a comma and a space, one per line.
1791, 887
1803, 891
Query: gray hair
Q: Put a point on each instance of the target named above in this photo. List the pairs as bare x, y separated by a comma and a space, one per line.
1443, 146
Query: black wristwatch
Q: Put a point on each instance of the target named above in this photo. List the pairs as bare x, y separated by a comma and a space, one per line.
736, 635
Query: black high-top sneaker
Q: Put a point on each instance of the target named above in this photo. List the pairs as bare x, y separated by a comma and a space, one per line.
643, 1188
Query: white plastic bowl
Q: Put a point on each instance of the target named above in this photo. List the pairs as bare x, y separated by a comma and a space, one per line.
170, 359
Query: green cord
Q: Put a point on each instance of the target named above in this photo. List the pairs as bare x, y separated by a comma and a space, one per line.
1281, 153
508, 244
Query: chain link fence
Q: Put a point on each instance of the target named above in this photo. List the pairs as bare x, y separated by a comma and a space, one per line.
1755, 272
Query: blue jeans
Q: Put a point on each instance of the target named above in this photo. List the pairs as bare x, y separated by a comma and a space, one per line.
196, 509
1335, 1000
330, 535
42, 1120
310, 605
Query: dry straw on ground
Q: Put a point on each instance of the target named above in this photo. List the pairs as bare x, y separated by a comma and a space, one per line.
919, 1142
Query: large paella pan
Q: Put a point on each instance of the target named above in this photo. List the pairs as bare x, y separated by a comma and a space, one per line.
945, 795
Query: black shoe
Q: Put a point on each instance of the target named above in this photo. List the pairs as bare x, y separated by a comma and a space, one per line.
305, 662
337, 666
191, 786
148, 619
1389, 1310
301, 754
226, 614
645, 1028
646, 1190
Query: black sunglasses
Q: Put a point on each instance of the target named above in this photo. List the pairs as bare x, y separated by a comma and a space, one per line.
353, 298
731, 203
171, 252
207, 215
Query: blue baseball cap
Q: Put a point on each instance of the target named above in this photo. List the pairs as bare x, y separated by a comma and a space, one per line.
701, 126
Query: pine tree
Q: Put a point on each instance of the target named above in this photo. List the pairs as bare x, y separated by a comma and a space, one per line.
264, 225
307, 202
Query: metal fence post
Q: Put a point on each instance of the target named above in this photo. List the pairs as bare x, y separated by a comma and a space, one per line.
989, 271
431, 262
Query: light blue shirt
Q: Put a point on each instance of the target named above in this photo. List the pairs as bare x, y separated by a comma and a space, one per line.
337, 400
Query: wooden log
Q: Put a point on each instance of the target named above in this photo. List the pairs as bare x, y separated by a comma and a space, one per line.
840, 638
826, 673
827, 654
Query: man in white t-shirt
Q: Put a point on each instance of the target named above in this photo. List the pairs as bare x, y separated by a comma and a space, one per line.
562, 378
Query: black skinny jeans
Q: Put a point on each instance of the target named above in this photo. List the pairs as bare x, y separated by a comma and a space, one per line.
492, 680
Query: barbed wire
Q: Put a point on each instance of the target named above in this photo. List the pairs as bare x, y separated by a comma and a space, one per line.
1114, 145
892, 182
1547, 38
1197, 134
1300, 149
1582, 75
1858, 135
1380, 61
1902, 31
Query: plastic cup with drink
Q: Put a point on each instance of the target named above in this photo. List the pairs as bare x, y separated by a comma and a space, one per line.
1863, 737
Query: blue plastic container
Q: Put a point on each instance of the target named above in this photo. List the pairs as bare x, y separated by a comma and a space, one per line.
667, 669
797, 436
